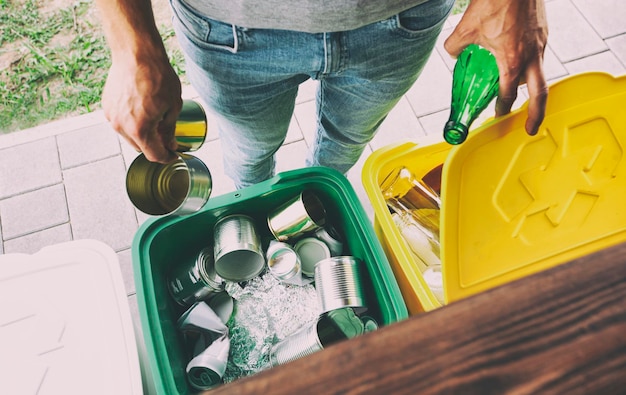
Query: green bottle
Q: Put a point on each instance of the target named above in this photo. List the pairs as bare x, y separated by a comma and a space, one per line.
474, 86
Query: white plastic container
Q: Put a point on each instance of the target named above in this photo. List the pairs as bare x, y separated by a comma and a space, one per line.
65, 323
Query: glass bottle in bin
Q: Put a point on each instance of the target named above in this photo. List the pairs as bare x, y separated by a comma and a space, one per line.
474, 85
416, 203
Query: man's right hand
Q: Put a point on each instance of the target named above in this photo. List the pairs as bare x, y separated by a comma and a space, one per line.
142, 93
142, 101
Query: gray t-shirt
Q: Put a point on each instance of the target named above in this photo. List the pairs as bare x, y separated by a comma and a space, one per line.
312, 16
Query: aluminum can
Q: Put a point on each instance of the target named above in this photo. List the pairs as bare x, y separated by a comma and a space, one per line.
180, 187
282, 261
191, 127
302, 214
237, 248
338, 283
195, 280
329, 328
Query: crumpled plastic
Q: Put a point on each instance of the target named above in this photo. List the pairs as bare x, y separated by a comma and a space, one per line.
266, 311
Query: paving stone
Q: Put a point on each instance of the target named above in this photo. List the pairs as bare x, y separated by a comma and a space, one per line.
355, 176
570, 35
1, 238
552, 67
307, 91
128, 152
293, 133
87, 145
34, 242
448, 60
608, 17
98, 205
33, 211
29, 166
211, 155
433, 124
432, 90
605, 61
291, 156
51, 129
618, 47
307, 120
126, 265
401, 124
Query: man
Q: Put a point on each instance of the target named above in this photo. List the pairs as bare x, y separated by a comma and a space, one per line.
247, 58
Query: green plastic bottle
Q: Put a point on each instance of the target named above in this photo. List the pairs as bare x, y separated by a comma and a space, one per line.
474, 86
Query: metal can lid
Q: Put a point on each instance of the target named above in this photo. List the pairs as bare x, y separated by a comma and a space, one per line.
311, 250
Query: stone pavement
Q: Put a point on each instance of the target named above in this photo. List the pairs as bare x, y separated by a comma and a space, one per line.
65, 180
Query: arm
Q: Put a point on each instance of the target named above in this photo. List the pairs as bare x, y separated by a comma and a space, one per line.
516, 32
142, 93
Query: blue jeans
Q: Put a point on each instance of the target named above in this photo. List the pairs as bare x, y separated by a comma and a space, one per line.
249, 79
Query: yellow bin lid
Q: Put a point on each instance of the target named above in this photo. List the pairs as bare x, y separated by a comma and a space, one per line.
516, 204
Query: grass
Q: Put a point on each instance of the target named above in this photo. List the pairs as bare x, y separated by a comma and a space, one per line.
53, 64
58, 62
460, 6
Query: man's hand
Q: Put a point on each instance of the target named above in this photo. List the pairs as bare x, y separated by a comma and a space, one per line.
142, 94
516, 32
142, 102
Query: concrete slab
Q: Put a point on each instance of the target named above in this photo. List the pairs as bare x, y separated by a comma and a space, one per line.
571, 37
307, 120
401, 124
618, 47
291, 156
51, 129
607, 17
33, 211
294, 133
605, 61
433, 124
126, 265
211, 154
307, 91
87, 145
354, 176
34, 242
432, 90
552, 68
448, 60
128, 152
98, 205
29, 166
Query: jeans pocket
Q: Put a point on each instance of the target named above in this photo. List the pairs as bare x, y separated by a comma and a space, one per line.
202, 31
422, 18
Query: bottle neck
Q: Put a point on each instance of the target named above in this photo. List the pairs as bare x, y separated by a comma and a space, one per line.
455, 132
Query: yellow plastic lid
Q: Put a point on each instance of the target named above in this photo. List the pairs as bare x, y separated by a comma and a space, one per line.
516, 204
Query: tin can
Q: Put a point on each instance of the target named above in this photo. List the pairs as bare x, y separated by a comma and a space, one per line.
302, 214
180, 187
311, 250
329, 328
191, 127
282, 261
237, 248
196, 280
338, 283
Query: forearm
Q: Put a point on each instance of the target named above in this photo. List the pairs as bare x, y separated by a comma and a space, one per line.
130, 29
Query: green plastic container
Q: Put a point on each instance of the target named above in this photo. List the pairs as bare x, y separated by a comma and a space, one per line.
164, 242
